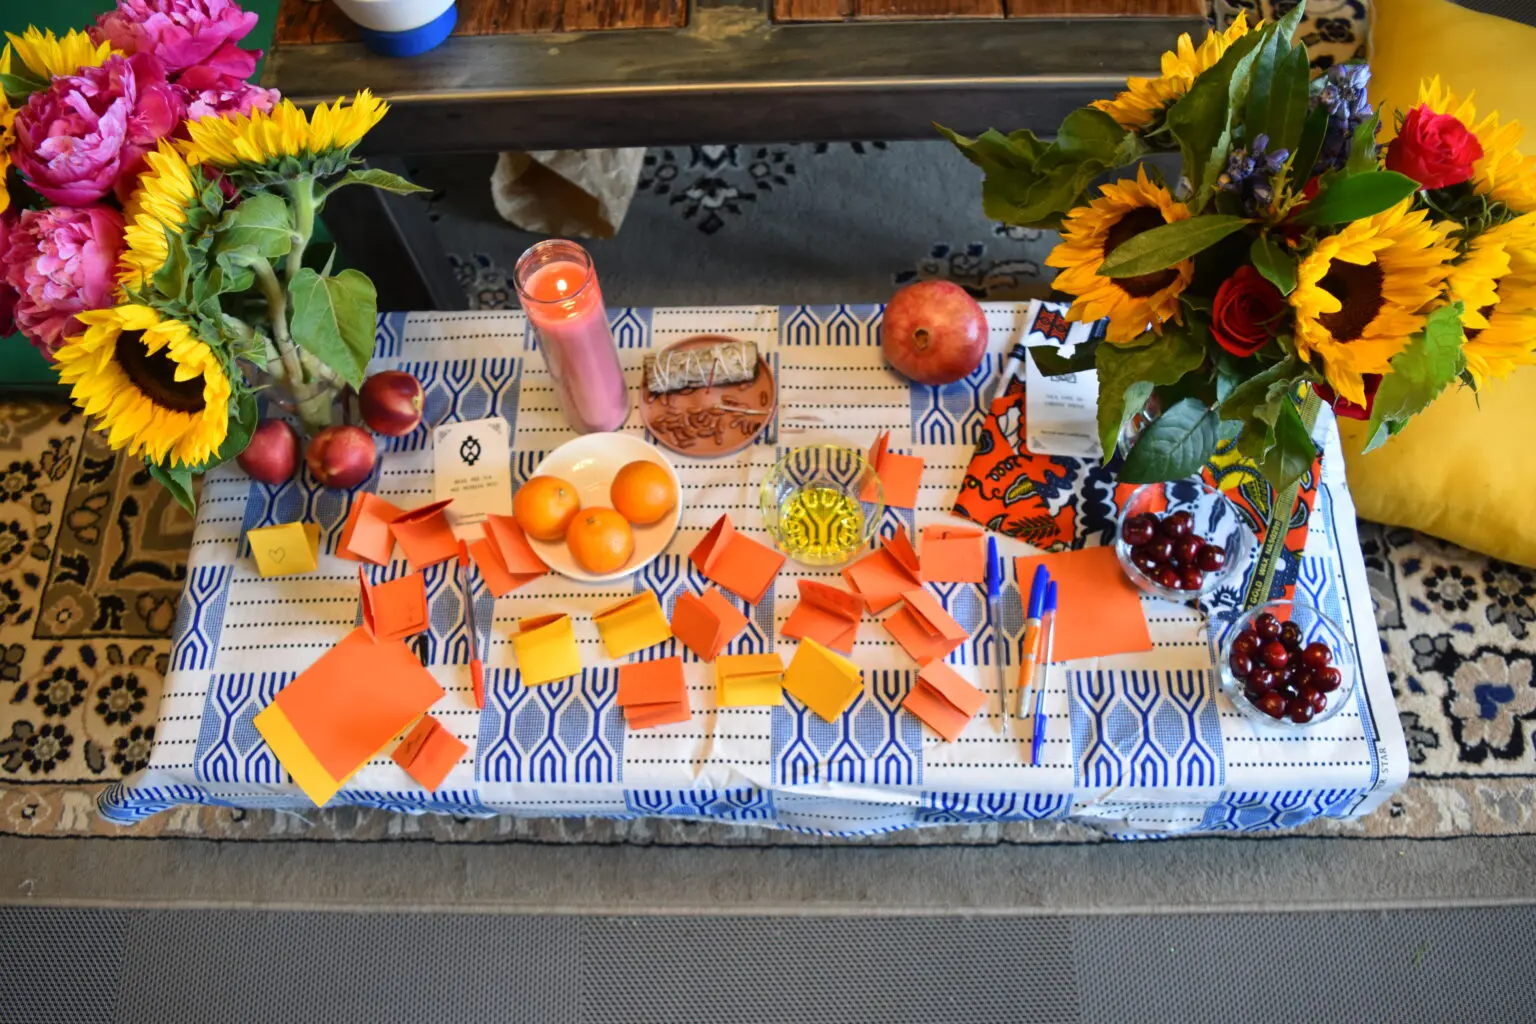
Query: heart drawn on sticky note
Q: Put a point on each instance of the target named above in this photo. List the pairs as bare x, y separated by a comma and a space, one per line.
276, 555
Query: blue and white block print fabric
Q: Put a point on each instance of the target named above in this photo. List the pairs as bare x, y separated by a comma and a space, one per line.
1136, 745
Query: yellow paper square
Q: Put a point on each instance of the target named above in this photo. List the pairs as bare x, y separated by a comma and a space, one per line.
547, 653
749, 680
822, 680
295, 756
285, 550
632, 625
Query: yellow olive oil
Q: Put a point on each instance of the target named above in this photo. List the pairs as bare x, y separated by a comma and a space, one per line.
820, 524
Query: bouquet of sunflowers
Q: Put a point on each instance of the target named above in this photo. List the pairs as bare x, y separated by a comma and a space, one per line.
1295, 262
156, 210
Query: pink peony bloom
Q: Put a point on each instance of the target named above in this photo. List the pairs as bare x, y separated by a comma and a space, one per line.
61, 261
87, 133
206, 92
7, 293
182, 33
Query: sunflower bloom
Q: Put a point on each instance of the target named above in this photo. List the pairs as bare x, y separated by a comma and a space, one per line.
1144, 99
158, 390
263, 140
1496, 283
1504, 173
47, 55
167, 192
1362, 292
1090, 233
7, 136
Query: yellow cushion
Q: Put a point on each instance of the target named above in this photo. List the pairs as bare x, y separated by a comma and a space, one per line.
1462, 470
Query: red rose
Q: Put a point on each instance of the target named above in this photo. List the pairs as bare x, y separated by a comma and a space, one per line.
1343, 406
1433, 149
1245, 312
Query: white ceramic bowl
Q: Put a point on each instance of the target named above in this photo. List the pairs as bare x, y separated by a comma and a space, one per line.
589, 463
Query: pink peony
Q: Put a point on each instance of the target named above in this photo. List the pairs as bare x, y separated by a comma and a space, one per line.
208, 93
183, 33
7, 293
60, 262
87, 133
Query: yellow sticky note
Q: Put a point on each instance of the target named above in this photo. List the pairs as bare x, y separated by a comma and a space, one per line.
285, 550
296, 757
749, 680
822, 680
546, 649
633, 624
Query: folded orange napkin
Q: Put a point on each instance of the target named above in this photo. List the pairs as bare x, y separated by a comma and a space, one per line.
653, 693
738, 563
883, 576
706, 623
943, 700
923, 628
425, 535
825, 614
365, 536
953, 554
900, 475
429, 752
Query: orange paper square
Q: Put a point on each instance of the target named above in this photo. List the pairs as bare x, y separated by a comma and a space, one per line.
825, 614
653, 692
900, 475
953, 554
648, 716
1098, 610
944, 700
429, 752
883, 576
355, 698
923, 628
396, 609
366, 536
425, 535
505, 558
706, 623
738, 563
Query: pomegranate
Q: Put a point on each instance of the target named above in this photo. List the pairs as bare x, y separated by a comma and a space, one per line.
341, 456
933, 332
391, 402
272, 454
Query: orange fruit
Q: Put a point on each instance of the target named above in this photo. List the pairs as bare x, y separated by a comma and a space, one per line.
600, 540
545, 506
642, 492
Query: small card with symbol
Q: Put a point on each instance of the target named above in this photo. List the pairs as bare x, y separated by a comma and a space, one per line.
472, 464
1061, 413
285, 550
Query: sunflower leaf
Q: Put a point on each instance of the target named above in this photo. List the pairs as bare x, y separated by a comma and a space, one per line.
1314, 132
994, 151
172, 277
177, 480
1128, 375
1277, 100
18, 87
1164, 246
1270, 259
1357, 196
1174, 446
1251, 400
1293, 451
242, 424
1431, 360
333, 320
263, 222
1362, 147
376, 178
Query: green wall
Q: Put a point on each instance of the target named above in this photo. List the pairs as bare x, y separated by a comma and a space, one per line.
20, 363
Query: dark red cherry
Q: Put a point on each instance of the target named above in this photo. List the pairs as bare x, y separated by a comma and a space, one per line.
1267, 626
1138, 529
1318, 700
1287, 690
1169, 578
1213, 558
1194, 579
1179, 524
1290, 634
1327, 679
1272, 704
1247, 641
1274, 654
1145, 564
1187, 552
1241, 664
1317, 655
1159, 548
1262, 678
1299, 711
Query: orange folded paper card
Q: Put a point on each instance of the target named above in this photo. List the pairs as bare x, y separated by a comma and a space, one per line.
505, 558
825, 614
923, 628
953, 554
706, 623
425, 535
749, 681
943, 700
883, 576
396, 609
429, 752
900, 475
653, 692
356, 698
825, 682
365, 537
1098, 610
738, 563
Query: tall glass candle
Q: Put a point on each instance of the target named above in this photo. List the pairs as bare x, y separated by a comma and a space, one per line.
558, 289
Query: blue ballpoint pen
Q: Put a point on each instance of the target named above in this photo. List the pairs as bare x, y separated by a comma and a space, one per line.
1048, 628
1031, 652
995, 613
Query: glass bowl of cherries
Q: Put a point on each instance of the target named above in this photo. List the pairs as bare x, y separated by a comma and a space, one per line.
1180, 539
1287, 664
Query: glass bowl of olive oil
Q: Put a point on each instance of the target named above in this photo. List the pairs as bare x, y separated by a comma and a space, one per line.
822, 504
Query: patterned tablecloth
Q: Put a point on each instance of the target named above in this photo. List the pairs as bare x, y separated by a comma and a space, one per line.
1138, 744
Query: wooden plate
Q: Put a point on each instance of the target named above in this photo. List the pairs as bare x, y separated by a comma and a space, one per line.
693, 422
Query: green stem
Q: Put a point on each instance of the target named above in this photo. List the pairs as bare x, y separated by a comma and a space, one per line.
301, 191
277, 312
1282, 506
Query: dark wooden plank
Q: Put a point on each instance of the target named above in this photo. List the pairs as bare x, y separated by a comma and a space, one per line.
590, 15
303, 22
927, 10
936, 10
814, 10
1105, 8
